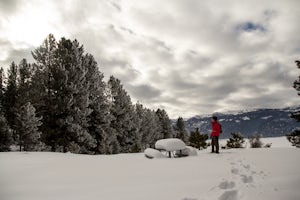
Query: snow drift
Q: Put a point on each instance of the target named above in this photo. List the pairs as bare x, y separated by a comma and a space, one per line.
246, 174
153, 153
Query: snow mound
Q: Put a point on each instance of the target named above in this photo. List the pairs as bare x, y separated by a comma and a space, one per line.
153, 153
171, 144
188, 151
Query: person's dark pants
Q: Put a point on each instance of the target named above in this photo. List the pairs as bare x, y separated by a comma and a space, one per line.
215, 143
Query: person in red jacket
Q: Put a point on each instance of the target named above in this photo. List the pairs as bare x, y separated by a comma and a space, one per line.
215, 133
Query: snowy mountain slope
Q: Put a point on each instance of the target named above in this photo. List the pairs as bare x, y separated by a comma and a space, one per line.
268, 122
246, 174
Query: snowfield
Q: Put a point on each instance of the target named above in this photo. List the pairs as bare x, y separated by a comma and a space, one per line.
260, 174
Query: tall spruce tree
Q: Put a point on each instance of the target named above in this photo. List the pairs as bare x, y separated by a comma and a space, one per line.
65, 95
139, 118
27, 128
6, 138
99, 119
181, 131
72, 97
148, 127
23, 83
42, 94
165, 124
10, 97
122, 113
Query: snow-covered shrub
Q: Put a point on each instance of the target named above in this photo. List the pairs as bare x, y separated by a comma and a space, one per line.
235, 141
255, 142
188, 151
153, 153
294, 137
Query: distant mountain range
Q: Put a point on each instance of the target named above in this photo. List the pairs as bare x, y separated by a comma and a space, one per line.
267, 122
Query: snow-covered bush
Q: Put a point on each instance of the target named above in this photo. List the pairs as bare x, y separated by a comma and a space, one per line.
235, 141
294, 138
188, 151
255, 142
153, 153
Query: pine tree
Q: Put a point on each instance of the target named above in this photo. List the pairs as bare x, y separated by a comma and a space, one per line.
42, 93
6, 138
63, 69
23, 83
294, 138
203, 138
180, 130
45, 56
194, 139
122, 113
27, 128
296, 115
197, 139
148, 127
235, 141
99, 119
10, 97
165, 124
2, 77
138, 120
72, 97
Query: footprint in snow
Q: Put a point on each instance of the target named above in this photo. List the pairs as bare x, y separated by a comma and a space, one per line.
230, 195
246, 167
247, 179
226, 185
234, 171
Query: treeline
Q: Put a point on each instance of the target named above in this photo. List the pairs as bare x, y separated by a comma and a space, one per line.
61, 103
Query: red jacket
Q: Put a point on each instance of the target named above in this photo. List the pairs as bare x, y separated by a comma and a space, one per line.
216, 129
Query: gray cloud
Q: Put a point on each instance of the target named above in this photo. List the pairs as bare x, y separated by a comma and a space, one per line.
192, 57
116, 6
144, 93
13, 54
8, 6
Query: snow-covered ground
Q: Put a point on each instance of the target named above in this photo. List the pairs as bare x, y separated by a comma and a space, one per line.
266, 174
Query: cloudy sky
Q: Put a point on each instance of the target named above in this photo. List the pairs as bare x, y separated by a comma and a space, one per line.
187, 56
